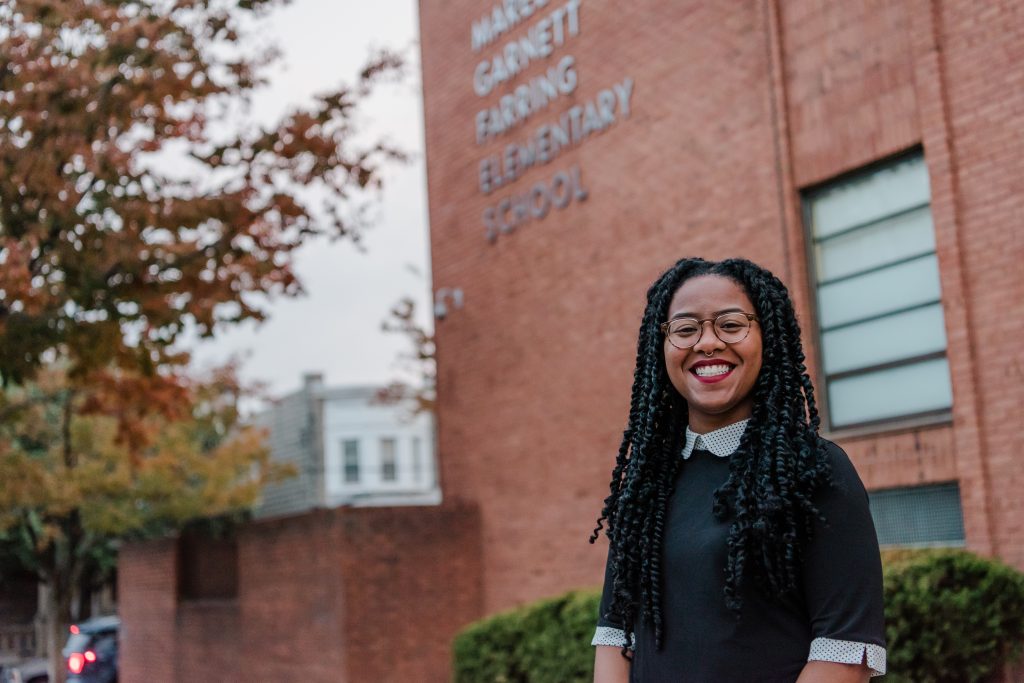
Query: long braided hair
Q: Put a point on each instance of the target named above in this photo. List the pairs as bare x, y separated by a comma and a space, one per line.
778, 466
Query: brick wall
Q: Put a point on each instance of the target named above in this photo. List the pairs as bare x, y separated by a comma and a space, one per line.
147, 582
737, 107
982, 49
350, 596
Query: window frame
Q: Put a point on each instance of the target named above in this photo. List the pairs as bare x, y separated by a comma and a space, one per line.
416, 458
930, 418
394, 459
344, 463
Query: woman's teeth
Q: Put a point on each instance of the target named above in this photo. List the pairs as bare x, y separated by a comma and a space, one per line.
712, 370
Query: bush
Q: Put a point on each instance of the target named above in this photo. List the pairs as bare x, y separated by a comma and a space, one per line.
543, 642
951, 617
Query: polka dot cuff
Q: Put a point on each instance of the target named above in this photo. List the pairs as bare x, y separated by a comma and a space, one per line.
848, 652
616, 637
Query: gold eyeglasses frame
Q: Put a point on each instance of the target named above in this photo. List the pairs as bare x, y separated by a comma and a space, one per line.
714, 328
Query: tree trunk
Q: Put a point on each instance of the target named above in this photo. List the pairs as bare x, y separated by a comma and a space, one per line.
58, 618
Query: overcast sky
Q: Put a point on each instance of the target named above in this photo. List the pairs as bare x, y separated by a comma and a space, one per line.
335, 328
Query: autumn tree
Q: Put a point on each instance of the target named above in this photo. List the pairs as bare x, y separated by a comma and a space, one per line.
109, 252
420, 360
73, 481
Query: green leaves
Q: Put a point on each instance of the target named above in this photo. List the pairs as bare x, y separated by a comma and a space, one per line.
125, 455
951, 617
544, 642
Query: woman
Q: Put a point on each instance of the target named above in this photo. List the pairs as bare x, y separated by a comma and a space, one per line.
741, 547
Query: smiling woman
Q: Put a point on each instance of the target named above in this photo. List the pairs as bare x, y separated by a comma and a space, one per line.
741, 544
714, 372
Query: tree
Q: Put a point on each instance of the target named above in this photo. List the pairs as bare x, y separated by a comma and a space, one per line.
96, 240
422, 360
80, 468
107, 257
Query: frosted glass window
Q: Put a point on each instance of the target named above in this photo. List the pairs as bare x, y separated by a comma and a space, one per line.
417, 459
903, 390
881, 291
350, 460
870, 197
879, 295
918, 516
388, 460
883, 340
882, 243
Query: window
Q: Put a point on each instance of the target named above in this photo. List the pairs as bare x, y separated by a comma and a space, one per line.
417, 459
918, 516
350, 456
883, 335
388, 460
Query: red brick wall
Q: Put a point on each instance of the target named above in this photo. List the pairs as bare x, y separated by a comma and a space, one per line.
350, 596
147, 582
736, 108
535, 369
290, 598
208, 644
410, 583
980, 62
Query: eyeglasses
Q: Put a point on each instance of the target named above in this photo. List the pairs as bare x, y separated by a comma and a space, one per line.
731, 328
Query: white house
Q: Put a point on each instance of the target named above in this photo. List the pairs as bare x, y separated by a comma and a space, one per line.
348, 449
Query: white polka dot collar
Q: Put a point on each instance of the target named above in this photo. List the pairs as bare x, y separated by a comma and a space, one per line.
723, 442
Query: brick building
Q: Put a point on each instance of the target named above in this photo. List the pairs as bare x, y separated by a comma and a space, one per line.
869, 153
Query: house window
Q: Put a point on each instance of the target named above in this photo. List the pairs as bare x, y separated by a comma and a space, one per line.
883, 336
388, 460
417, 459
918, 515
350, 456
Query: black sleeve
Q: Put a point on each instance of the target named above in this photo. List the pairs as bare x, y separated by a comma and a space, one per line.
606, 600
842, 578
604, 635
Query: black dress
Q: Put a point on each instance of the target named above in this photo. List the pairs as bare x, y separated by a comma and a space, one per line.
837, 616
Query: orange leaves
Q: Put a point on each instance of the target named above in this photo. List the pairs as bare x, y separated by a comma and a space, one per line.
96, 240
127, 454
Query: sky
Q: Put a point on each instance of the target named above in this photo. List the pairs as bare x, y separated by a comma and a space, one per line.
335, 328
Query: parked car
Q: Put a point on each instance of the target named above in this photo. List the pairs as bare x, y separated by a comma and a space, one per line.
91, 651
26, 671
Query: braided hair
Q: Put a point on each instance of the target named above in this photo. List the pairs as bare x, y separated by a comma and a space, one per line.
773, 475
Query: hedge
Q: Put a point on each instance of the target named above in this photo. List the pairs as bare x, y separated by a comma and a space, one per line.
950, 617
547, 640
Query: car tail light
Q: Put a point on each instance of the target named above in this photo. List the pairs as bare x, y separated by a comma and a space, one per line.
73, 629
76, 662
90, 656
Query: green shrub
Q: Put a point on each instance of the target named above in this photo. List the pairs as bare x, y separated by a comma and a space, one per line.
543, 642
951, 617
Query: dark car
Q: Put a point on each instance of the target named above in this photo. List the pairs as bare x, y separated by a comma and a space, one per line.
91, 651
28, 671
